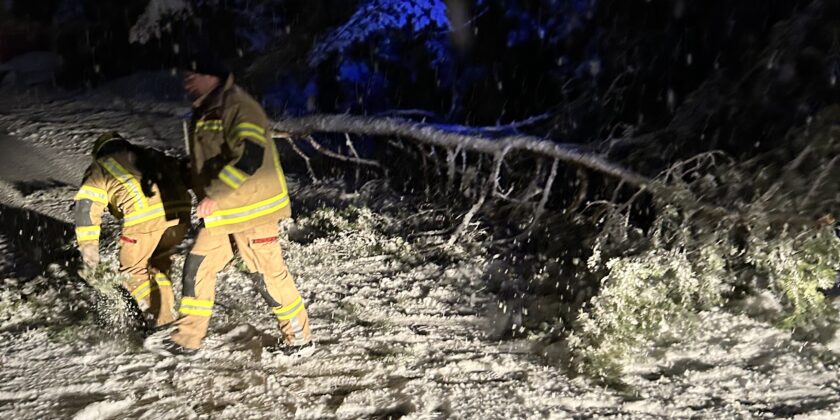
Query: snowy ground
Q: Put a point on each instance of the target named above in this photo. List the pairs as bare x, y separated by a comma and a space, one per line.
397, 336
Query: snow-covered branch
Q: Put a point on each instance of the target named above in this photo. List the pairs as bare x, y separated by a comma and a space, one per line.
150, 24
432, 135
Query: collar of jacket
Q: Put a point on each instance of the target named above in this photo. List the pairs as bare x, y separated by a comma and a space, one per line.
213, 99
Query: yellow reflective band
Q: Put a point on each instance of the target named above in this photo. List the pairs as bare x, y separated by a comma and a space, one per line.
198, 312
241, 214
196, 302
191, 306
280, 177
236, 172
143, 290
244, 126
162, 280
229, 181
88, 233
252, 135
290, 311
137, 217
232, 176
209, 125
92, 193
127, 180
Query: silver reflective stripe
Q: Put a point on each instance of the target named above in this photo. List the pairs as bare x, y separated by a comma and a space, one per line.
200, 308
291, 310
90, 192
297, 329
141, 292
147, 213
245, 213
126, 179
232, 174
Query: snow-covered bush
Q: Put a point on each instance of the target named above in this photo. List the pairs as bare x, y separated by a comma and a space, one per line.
720, 233
642, 297
798, 266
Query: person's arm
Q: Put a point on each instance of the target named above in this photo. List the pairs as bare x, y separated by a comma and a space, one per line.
247, 139
90, 202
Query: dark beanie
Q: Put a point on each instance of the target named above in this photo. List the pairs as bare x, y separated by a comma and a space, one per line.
207, 62
199, 57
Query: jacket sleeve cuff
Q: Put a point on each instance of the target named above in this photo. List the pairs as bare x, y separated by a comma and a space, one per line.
87, 234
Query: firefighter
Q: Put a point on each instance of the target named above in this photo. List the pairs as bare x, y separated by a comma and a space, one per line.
236, 176
142, 187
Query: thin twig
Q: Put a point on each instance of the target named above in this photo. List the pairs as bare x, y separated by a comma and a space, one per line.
299, 153
330, 153
540, 209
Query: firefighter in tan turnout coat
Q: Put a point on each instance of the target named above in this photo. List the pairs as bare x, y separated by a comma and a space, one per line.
236, 175
143, 188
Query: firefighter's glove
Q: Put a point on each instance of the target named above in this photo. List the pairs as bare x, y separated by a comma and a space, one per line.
90, 255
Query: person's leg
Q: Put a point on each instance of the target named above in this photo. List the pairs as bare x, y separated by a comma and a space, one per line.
208, 256
135, 251
163, 301
260, 249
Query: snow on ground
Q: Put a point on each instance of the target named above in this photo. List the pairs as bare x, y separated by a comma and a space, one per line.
397, 335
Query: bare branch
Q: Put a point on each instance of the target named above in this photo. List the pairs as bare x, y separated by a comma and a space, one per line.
450, 167
546, 191
350, 146
583, 190
489, 185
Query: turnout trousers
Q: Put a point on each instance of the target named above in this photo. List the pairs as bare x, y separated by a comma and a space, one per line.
260, 249
146, 259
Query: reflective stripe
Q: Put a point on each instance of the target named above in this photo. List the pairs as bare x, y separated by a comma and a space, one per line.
88, 233
93, 194
277, 167
297, 330
209, 125
138, 217
249, 126
162, 280
229, 181
143, 290
127, 180
289, 312
250, 130
251, 135
241, 214
192, 306
232, 176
